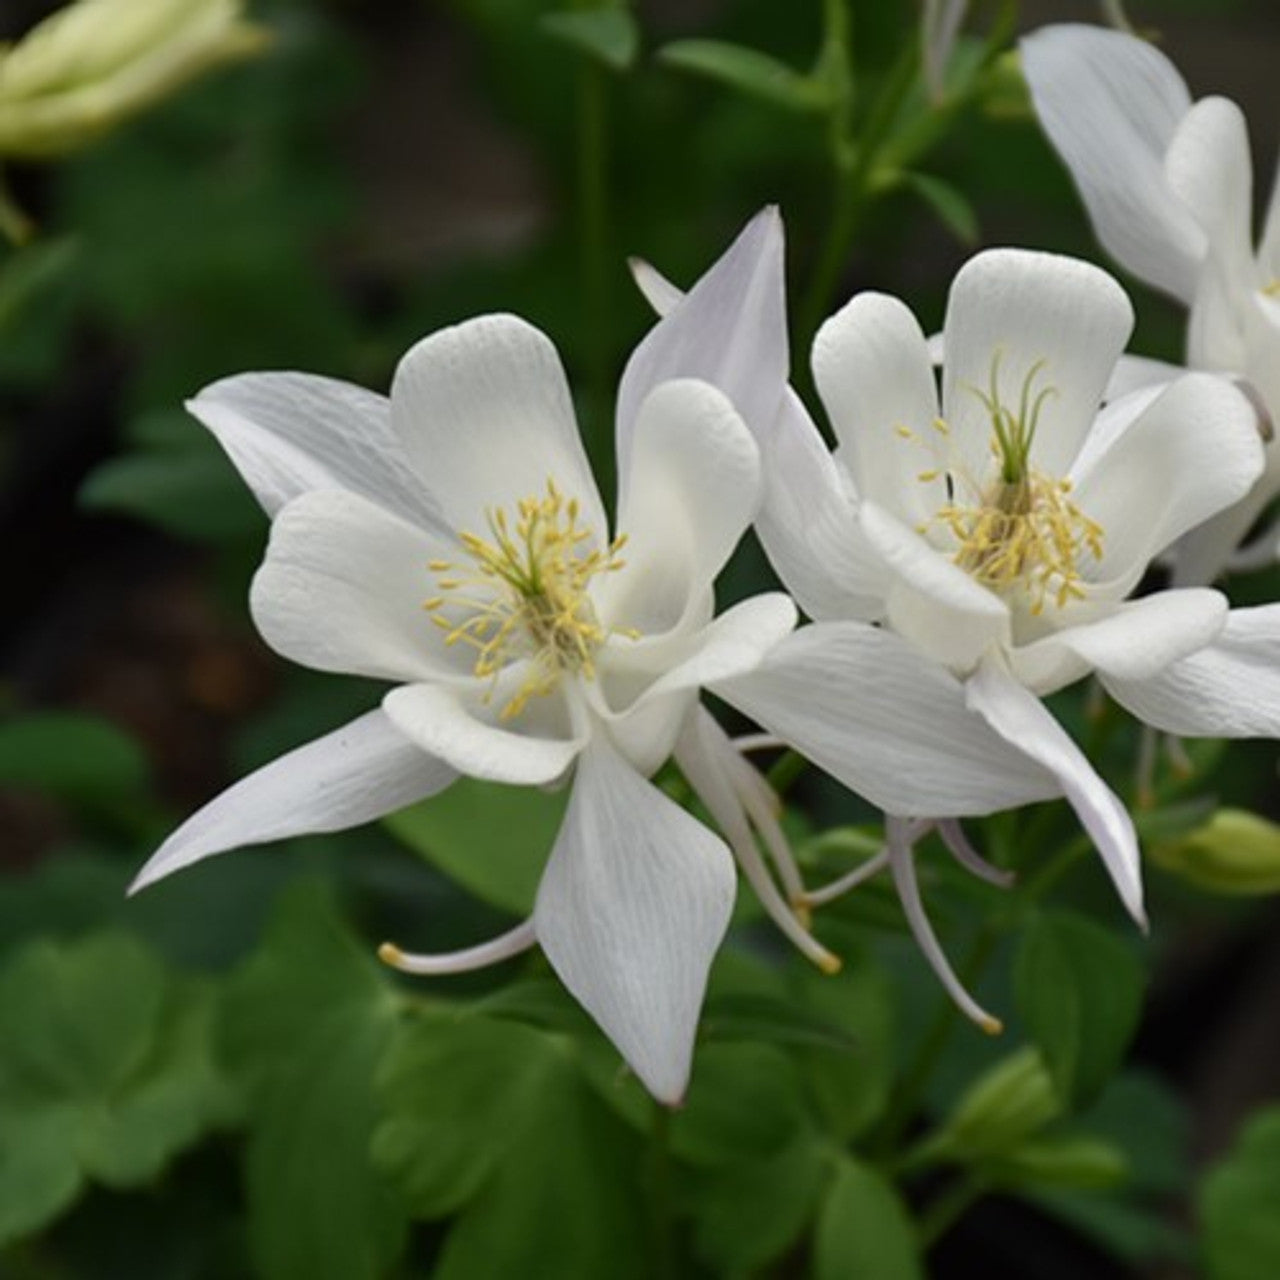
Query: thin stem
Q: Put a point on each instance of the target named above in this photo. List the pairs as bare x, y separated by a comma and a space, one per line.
660, 1176
593, 214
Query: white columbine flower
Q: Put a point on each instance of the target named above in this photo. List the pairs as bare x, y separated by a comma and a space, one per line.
451, 540
896, 717
987, 543
1169, 187
1007, 522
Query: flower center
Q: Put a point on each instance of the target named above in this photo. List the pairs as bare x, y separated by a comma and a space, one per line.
1021, 531
525, 594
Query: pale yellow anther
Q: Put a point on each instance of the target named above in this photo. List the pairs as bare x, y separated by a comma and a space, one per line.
905, 432
1272, 288
528, 595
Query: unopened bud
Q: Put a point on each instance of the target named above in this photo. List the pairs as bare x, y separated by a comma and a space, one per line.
1234, 852
1069, 1160
1005, 1105
89, 66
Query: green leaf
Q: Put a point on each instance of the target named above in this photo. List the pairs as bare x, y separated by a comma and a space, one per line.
751, 1015
189, 491
492, 1121
564, 1201
850, 1089
1079, 990
749, 71
74, 757
25, 275
750, 1214
745, 1102
865, 1229
105, 1073
308, 1021
452, 1088
609, 34
1238, 1205
492, 839
949, 204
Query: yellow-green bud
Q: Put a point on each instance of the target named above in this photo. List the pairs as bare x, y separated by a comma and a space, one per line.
1003, 1106
1233, 852
1068, 1160
92, 64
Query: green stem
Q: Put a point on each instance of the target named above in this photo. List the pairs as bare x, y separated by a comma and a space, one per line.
944, 1212
593, 215
843, 222
660, 1183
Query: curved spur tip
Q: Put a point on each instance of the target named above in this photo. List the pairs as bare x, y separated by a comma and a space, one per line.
391, 955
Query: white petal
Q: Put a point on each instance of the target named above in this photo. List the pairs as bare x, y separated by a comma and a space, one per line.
1193, 451
1137, 640
734, 643
863, 705
644, 727
658, 291
872, 369
1023, 721
1269, 247
932, 601
1110, 104
342, 589
808, 524
483, 411
1027, 308
632, 906
289, 433
688, 495
1210, 171
1133, 373
352, 775
730, 330
1229, 689
441, 721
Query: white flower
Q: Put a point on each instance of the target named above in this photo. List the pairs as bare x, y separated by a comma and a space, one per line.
1010, 523
992, 540
873, 708
452, 540
1169, 187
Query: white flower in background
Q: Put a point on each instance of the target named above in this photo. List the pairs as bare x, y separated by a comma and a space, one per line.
452, 540
993, 539
1168, 185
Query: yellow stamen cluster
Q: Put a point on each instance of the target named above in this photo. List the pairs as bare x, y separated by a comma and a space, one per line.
525, 594
1029, 535
1024, 532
